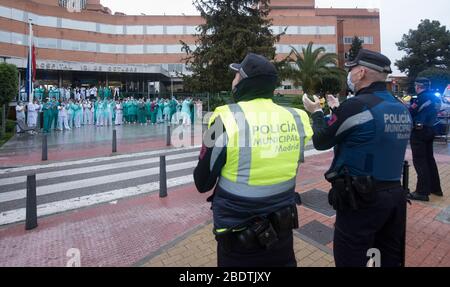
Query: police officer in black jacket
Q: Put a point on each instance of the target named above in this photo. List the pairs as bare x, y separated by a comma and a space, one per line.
424, 110
370, 133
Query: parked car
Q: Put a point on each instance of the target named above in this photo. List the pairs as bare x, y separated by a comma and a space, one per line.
442, 127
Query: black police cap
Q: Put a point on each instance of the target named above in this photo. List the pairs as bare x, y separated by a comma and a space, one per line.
254, 65
372, 60
423, 81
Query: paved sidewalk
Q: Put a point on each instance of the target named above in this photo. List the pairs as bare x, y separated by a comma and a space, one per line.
428, 235
176, 231
89, 142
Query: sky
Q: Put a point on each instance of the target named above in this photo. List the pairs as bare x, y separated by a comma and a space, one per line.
397, 16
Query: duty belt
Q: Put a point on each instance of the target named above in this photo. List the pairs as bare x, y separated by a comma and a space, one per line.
260, 232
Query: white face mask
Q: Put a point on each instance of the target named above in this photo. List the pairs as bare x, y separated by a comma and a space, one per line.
350, 84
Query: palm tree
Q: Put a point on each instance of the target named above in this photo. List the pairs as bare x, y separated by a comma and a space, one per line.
311, 67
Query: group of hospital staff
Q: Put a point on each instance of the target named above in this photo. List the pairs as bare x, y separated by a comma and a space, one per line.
68, 114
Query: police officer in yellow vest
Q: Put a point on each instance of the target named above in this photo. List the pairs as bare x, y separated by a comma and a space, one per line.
250, 154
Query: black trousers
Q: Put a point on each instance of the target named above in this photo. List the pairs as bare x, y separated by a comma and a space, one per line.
423, 158
282, 255
381, 225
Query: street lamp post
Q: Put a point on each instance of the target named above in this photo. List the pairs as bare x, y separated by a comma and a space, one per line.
171, 83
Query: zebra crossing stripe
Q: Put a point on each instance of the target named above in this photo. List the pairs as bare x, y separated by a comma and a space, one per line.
92, 182
35, 168
18, 215
90, 169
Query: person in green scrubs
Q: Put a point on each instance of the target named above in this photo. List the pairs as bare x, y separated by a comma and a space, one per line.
148, 111
141, 112
100, 93
159, 115
107, 93
135, 111
173, 108
95, 111
55, 111
126, 115
153, 111
193, 111
48, 115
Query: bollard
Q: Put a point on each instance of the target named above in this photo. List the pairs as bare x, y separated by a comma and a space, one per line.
406, 176
162, 177
31, 208
406, 191
168, 136
44, 148
114, 142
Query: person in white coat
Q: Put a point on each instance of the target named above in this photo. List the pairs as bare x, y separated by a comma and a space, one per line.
33, 111
77, 94
63, 117
119, 113
116, 93
20, 114
199, 107
83, 93
87, 119
68, 93
186, 112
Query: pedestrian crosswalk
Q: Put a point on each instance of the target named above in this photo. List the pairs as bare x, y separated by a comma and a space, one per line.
70, 185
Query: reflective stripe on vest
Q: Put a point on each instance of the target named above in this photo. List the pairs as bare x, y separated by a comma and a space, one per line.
301, 133
287, 138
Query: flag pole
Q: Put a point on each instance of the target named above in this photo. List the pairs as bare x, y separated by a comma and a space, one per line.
30, 57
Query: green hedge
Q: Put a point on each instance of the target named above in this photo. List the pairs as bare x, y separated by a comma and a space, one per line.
10, 129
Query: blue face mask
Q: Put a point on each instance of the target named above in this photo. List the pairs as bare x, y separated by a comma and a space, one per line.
350, 84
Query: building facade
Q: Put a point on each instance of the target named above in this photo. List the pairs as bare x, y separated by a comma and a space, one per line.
80, 42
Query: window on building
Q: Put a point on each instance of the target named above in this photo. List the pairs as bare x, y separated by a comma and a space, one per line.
173, 49
5, 12
88, 46
5, 37
327, 30
135, 49
47, 43
76, 5
108, 29
155, 30
368, 40
292, 30
18, 15
365, 40
19, 39
135, 30
46, 21
308, 30
174, 30
275, 30
155, 49
78, 25
191, 30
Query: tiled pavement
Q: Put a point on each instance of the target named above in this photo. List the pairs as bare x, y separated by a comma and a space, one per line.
176, 231
199, 250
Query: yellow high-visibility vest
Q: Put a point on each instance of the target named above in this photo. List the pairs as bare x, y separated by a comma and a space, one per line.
265, 144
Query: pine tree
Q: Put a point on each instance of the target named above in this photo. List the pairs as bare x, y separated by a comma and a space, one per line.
232, 29
354, 49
